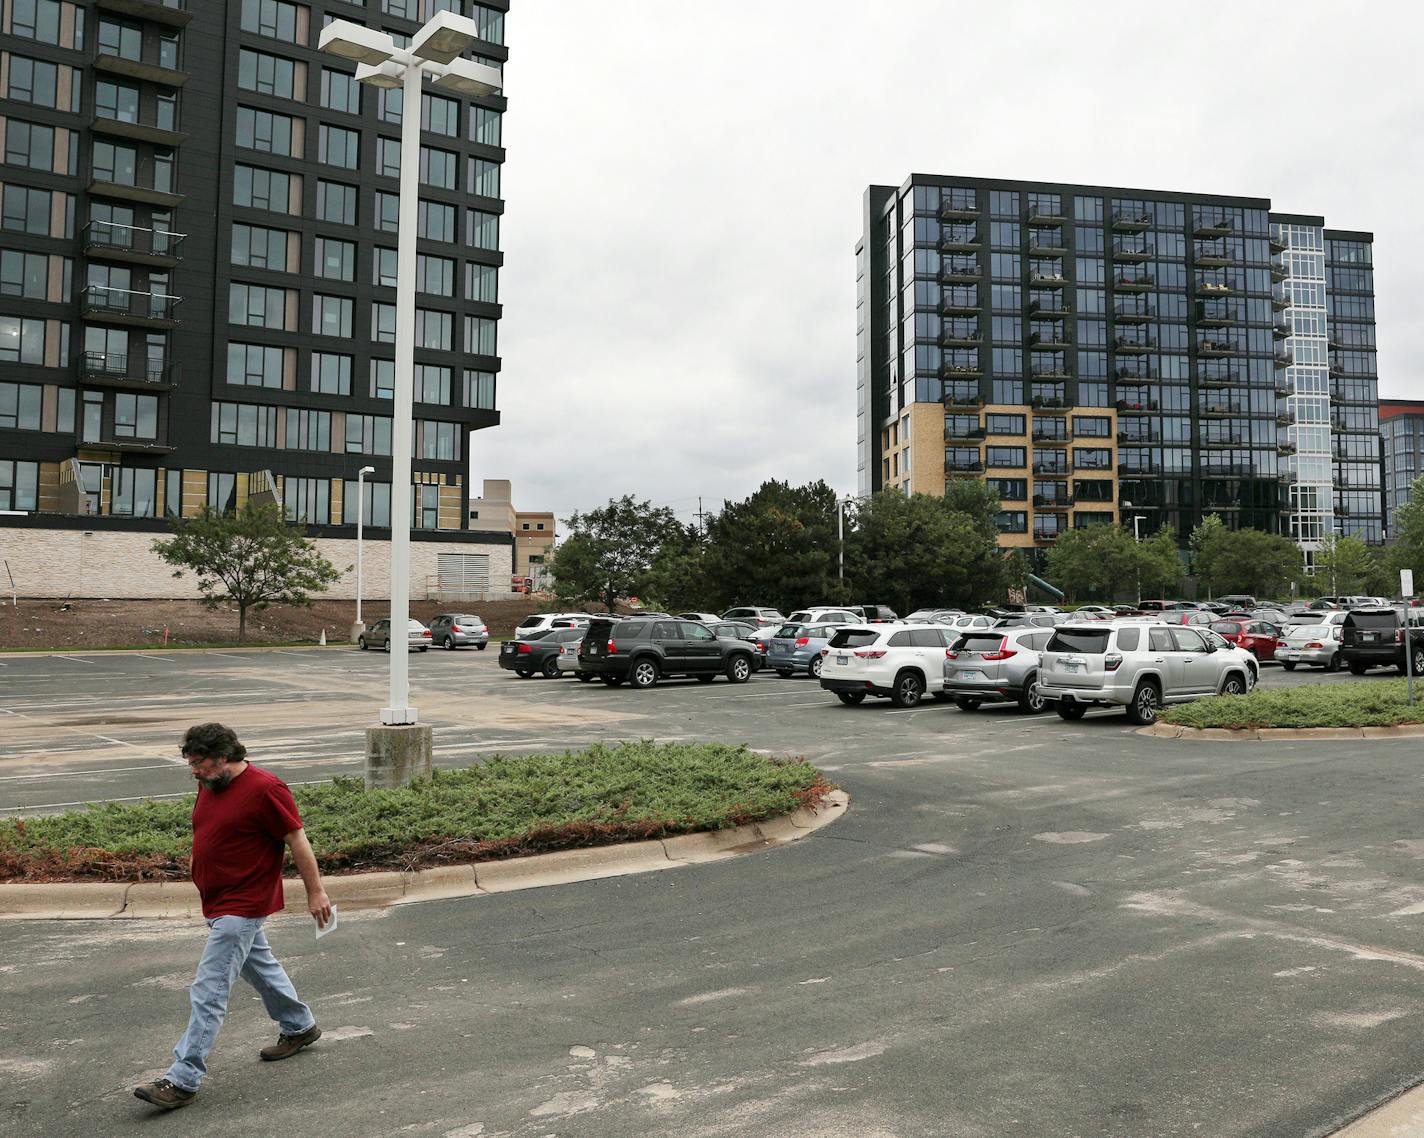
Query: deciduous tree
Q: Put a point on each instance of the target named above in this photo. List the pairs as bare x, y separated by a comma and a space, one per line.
609, 552
776, 548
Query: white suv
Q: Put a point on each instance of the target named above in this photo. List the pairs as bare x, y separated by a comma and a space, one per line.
823, 615
900, 661
543, 621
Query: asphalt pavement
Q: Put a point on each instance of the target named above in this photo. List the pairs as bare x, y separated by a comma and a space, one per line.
1022, 927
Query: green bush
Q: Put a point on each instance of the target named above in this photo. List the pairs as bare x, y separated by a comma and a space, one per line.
503, 807
1373, 703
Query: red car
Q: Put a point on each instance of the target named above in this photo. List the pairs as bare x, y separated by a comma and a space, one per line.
1256, 636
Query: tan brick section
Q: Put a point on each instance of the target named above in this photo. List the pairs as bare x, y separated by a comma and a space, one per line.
65, 563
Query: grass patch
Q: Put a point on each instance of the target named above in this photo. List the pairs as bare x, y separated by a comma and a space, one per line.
1372, 703
501, 808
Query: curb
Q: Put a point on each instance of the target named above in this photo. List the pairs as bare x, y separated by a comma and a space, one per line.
1280, 734
178, 900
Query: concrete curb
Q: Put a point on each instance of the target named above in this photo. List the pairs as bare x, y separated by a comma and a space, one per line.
1397, 1118
178, 900
1280, 734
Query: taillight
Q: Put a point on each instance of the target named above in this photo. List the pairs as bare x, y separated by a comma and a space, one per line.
1003, 653
1112, 662
802, 641
524, 650
1315, 644
456, 628
951, 654
612, 647
1399, 636
426, 632
870, 653
826, 651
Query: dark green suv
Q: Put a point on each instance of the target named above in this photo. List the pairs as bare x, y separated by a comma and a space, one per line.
641, 652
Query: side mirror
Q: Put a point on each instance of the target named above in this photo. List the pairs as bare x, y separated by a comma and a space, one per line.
1211, 646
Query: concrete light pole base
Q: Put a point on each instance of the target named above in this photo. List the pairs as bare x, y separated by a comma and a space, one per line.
357, 627
398, 754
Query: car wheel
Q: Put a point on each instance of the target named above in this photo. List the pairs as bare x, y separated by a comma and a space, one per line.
815, 668
613, 681
423, 648
851, 698
1356, 668
551, 668
1146, 703
739, 668
908, 689
967, 703
364, 646
784, 673
1031, 699
705, 679
524, 673
1419, 661
448, 643
1071, 709
481, 647
1334, 664
1233, 685
644, 673
1288, 665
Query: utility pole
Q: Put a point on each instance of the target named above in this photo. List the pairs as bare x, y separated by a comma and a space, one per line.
701, 532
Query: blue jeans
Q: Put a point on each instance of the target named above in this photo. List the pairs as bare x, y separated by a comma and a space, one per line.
237, 946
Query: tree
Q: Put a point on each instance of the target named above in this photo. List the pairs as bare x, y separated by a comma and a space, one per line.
251, 558
778, 548
1407, 552
917, 551
1343, 564
1099, 562
610, 552
1245, 561
1159, 563
677, 578
1203, 544
976, 500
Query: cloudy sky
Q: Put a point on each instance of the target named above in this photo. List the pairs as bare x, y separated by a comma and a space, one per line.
684, 185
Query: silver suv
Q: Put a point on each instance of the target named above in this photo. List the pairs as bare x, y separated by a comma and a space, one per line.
998, 664
1138, 666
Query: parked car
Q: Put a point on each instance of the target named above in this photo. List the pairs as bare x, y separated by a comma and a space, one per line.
901, 662
1213, 606
537, 653
704, 617
1244, 602
379, 636
643, 651
1138, 666
456, 630
797, 648
933, 616
568, 661
760, 617
1254, 636
1030, 620
543, 621
1317, 645
823, 615
1193, 617
1152, 608
874, 614
1374, 637
1093, 611
997, 666
736, 630
972, 620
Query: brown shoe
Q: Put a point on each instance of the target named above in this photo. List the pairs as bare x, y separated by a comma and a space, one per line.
164, 1094
288, 1045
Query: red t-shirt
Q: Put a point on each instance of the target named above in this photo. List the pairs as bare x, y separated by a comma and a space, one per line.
238, 844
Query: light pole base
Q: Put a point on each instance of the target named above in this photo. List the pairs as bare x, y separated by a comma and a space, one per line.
357, 627
399, 716
397, 755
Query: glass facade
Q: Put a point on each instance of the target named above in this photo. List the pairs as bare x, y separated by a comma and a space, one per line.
1354, 384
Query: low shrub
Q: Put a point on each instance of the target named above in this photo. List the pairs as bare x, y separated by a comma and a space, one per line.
1367, 703
500, 808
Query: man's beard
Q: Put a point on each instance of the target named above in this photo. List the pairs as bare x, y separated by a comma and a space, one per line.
218, 781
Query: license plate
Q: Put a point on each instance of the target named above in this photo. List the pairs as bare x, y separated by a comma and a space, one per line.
842, 659
593, 650
507, 649
1369, 637
1070, 667
970, 675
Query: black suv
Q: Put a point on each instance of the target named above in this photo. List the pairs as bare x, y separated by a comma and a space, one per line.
641, 651
1374, 638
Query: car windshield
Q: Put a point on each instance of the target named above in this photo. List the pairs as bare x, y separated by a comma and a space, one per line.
786, 631
1079, 640
1386, 619
1310, 632
531, 622
978, 642
853, 637
1226, 628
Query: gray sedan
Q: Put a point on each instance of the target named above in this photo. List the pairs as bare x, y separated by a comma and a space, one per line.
1315, 644
456, 630
997, 665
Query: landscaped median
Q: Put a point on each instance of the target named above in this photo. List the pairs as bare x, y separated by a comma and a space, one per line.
1366, 709
590, 813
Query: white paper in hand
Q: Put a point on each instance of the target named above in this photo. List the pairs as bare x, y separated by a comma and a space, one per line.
330, 925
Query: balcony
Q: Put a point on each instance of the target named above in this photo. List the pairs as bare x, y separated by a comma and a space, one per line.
1280, 331
1134, 344
1217, 317
174, 13
1131, 222
1046, 217
1213, 258
1280, 299
146, 70
1284, 447
1048, 244
149, 195
1139, 438
1219, 441
1131, 251
1217, 288
1224, 379
1045, 537
141, 131
1050, 372
134, 373
1134, 282
1136, 314
1285, 420
123, 306
1283, 359
1051, 438
962, 274
962, 395
962, 434
1131, 405
963, 466
1037, 341
960, 212
1142, 374
1057, 502
1213, 229
961, 339
1046, 312
1277, 243
1223, 410
1217, 348
961, 371
1047, 280
1283, 389
952, 306
959, 242
1049, 404
128, 446
115, 242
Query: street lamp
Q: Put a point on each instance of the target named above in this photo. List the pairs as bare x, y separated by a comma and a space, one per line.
434, 54
360, 520
1137, 537
840, 526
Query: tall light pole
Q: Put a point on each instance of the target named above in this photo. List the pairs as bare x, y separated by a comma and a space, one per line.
840, 527
434, 54
360, 625
1137, 537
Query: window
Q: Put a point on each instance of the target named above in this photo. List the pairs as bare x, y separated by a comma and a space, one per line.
340, 92
481, 282
1092, 458
439, 441
435, 275
436, 221
337, 146
135, 416
388, 212
383, 267
335, 260
383, 379
1012, 521
222, 493
331, 373
32, 146
388, 157
115, 163
331, 315
432, 383
122, 40
22, 341
425, 507
377, 503
437, 168
481, 229
1004, 424
336, 202
491, 22
20, 405
26, 274
133, 492
383, 323
266, 74
1005, 456
307, 500
434, 330
26, 210
19, 482
264, 130
1092, 426
274, 18
255, 365
484, 126
368, 434
257, 307
43, 84
40, 20
117, 101
483, 178
257, 247
308, 430
257, 188
439, 115
1009, 489
480, 334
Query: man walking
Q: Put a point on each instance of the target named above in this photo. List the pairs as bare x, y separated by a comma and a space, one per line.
243, 821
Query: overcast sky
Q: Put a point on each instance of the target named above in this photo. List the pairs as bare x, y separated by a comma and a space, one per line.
684, 183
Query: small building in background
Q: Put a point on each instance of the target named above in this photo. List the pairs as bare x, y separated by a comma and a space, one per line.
1402, 431
532, 531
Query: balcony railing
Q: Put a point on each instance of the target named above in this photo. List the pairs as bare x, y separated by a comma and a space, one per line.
1133, 281
1059, 311
1132, 344
1047, 280
1047, 537
126, 370
1220, 228
1217, 410
962, 395
1052, 404
1056, 502
963, 434
1133, 314
952, 212
1280, 299
172, 12
959, 371
121, 303
962, 466
110, 236
963, 273
1051, 438
1131, 222
1131, 251
1219, 348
